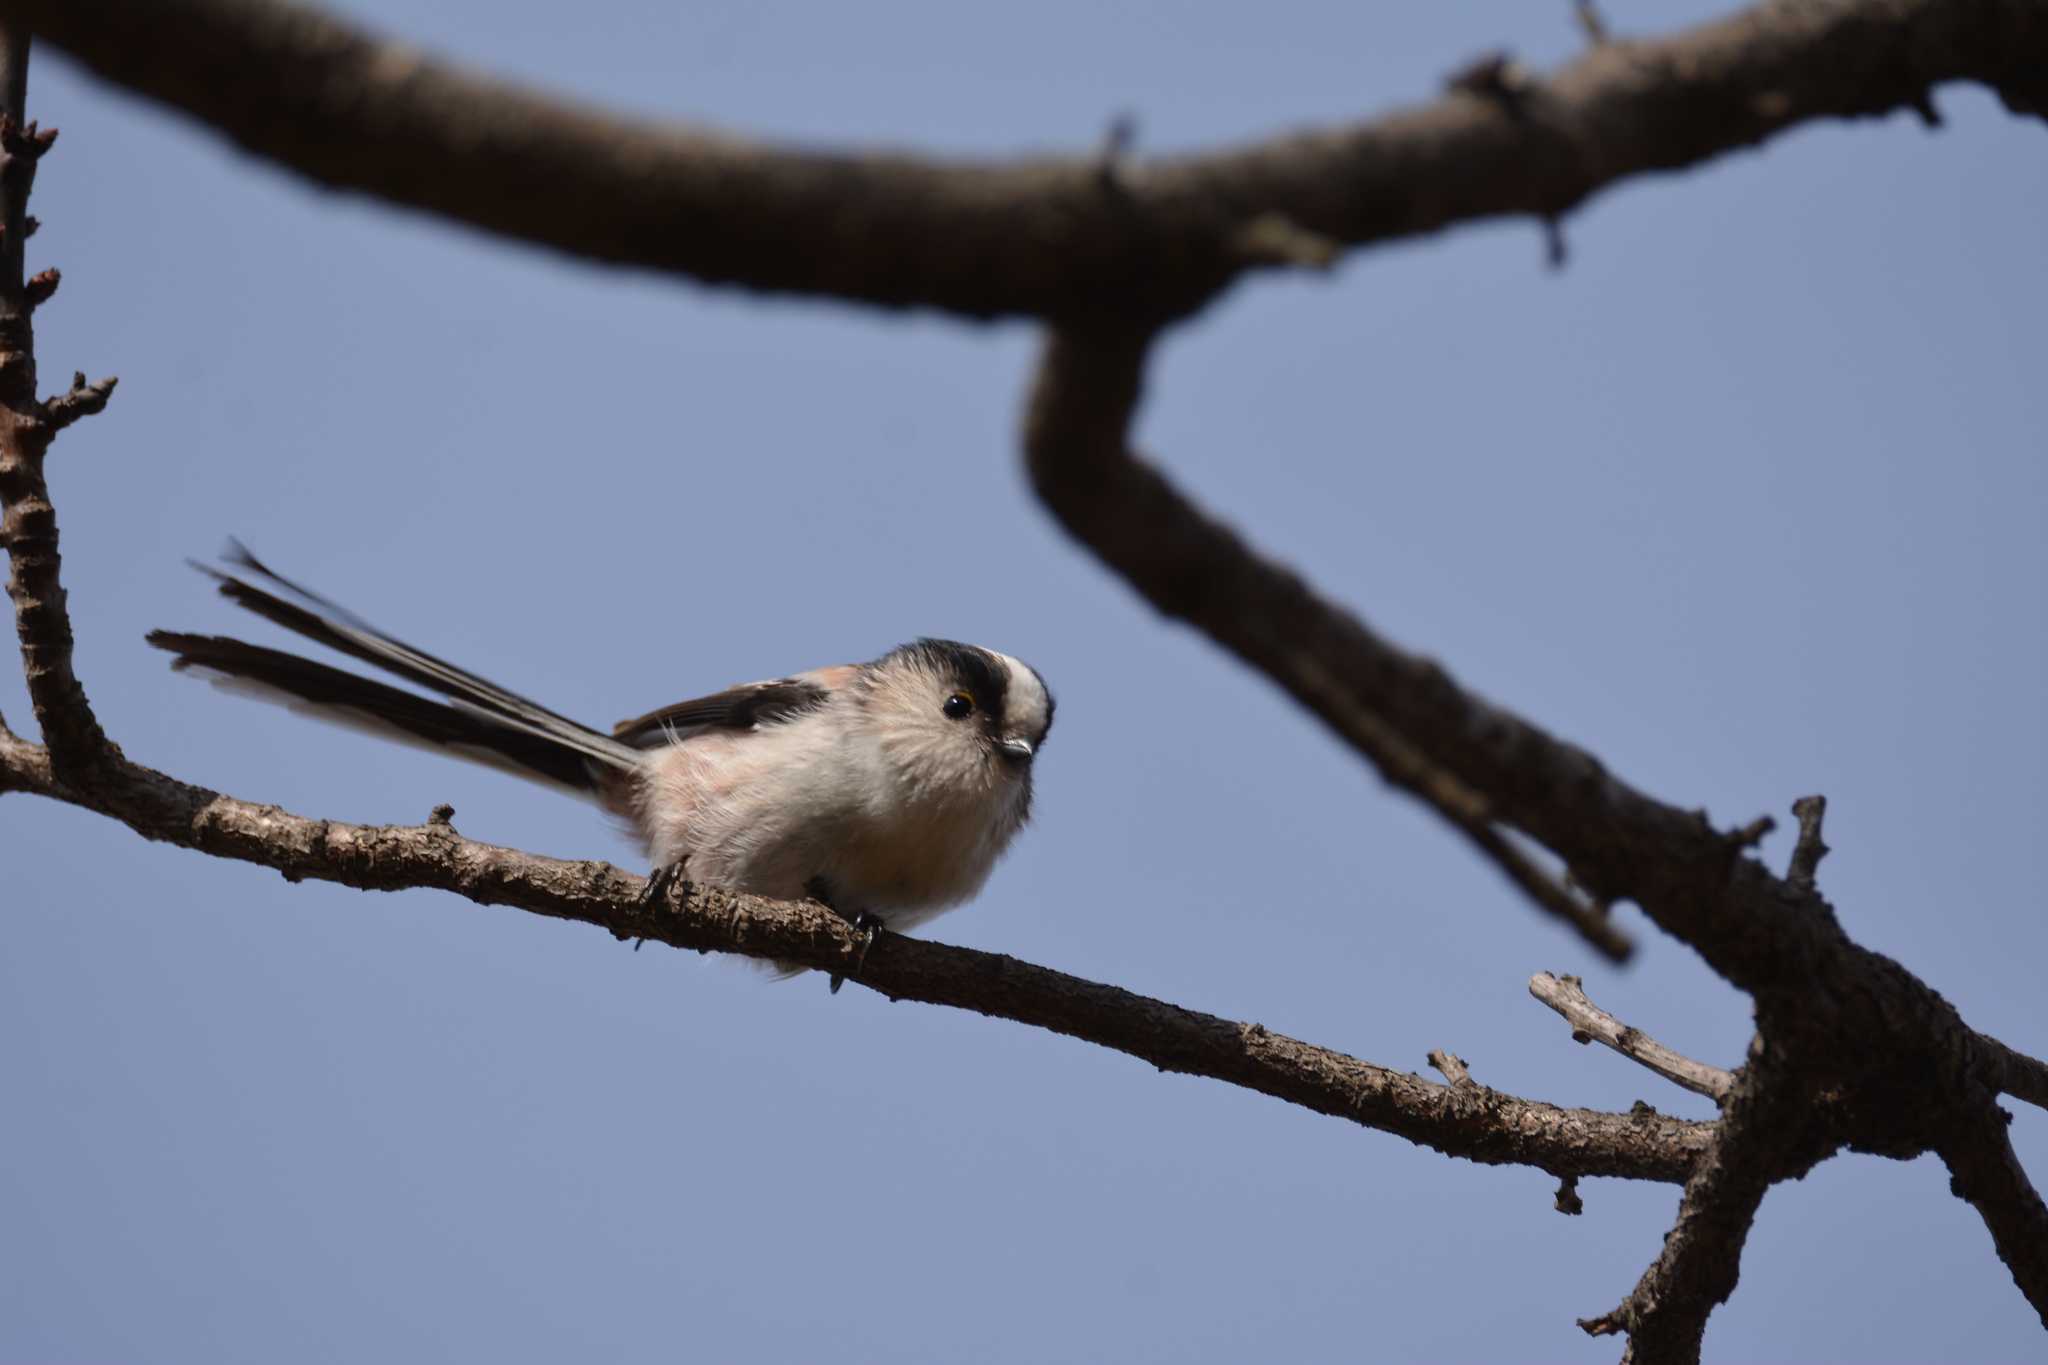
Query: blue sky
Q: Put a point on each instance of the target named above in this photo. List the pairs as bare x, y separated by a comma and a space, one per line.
1748, 500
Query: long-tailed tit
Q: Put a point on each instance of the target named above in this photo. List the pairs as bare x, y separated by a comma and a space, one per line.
885, 789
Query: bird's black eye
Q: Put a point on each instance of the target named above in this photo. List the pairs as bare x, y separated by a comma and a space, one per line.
959, 706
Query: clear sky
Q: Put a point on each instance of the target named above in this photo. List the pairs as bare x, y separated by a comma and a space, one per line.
1748, 500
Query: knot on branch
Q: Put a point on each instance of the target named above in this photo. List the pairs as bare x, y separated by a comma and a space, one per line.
1751, 834
25, 140
83, 400
1494, 76
41, 286
1454, 1069
1607, 1324
1275, 239
1113, 154
1811, 848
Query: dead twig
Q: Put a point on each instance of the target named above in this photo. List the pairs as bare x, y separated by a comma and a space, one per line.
1591, 1024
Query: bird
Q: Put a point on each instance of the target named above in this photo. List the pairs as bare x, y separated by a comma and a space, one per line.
886, 790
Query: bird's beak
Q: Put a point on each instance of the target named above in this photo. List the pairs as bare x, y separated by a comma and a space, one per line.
1019, 749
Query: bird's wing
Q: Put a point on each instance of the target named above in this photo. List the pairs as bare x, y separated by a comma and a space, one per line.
745, 707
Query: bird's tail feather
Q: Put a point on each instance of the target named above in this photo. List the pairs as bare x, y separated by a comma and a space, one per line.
481, 721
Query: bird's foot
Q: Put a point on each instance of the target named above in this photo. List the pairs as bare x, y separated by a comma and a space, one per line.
867, 926
659, 880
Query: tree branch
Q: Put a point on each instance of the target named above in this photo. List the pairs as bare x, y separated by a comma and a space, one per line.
1044, 237
1765, 1135
28, 527
1828, 1007
1985, 1171
2014, 1073
1504, 1130
1196, 569
1590, 1023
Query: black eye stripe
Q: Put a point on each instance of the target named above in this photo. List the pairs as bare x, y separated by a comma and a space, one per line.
974, 671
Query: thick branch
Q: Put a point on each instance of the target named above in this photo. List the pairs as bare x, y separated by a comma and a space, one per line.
28, 527
1423, 733
1051, 238
1500, 1130
1692, 879
1590, 1023
1985, 1171
1764, 1136
1827, 1006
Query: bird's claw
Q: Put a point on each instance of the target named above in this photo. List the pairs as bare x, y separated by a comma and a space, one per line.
659, 880
867, 926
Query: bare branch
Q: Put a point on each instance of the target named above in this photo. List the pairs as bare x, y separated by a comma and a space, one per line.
29, 527
1191, 567
1811, 848
1985, 1171
1476, 763
1040, 237
1503, 1130
1763, 1137
1590, 1023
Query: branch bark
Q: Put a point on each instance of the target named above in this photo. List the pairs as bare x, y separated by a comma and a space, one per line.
1504, 1130
28, 526
1985, 1172
1767, 1133
1196, 569
1891, 1047
1810, 811
1050, 237
1590, 1024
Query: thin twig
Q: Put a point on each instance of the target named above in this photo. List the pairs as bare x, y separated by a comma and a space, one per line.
1591, 1024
